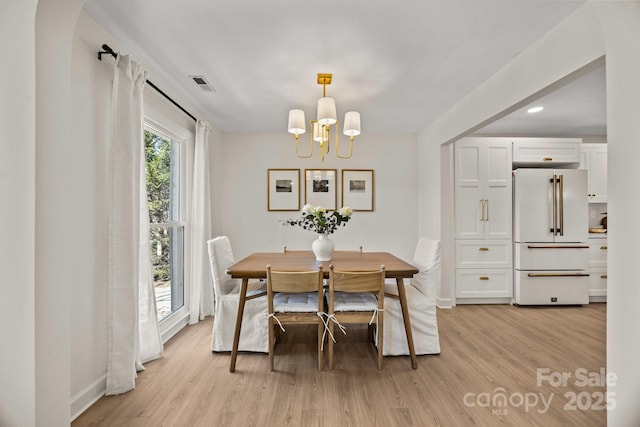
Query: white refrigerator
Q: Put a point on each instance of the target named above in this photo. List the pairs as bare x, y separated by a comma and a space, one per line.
551, 237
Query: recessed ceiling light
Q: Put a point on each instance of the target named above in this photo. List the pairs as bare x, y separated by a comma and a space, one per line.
535, 109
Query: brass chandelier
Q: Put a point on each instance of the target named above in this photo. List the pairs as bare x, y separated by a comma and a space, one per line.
321, 126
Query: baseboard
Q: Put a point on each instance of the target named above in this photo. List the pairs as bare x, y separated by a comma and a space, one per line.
87, 397
444, 302
462, 301
598, 298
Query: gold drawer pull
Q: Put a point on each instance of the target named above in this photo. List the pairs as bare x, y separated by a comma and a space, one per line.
604, 276
484, 278
547, 159
483, 249
604, 248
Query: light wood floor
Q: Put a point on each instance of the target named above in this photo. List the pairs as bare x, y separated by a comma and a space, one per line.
487, 351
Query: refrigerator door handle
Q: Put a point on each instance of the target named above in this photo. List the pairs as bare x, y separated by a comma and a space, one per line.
553, 205
561, 207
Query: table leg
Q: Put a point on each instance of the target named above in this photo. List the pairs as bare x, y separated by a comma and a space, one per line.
236, 336
407, 321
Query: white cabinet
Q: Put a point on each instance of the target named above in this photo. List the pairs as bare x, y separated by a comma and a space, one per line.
483, 188
482, 220
535, 152
597, 268
594, 160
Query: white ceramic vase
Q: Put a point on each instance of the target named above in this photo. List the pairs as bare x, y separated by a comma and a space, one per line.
322, 247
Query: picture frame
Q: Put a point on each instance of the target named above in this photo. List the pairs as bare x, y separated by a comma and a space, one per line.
320, 188
358, 189
283, 189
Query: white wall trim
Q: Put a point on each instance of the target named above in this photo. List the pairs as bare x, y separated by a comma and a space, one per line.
88, 396
444, 302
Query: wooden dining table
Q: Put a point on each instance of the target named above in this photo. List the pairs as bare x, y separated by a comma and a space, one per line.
254, 267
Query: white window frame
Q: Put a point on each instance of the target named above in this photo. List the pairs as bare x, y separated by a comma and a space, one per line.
175, 321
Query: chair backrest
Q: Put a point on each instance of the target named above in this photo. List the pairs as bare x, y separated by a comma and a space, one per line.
294, 281
427, 259
221, 258
356, 281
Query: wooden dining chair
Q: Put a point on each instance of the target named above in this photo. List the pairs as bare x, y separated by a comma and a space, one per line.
294, 297
356, 297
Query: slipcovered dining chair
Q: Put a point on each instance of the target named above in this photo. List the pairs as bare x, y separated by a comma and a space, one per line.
421, 299
356, 297
294, 297
253, 335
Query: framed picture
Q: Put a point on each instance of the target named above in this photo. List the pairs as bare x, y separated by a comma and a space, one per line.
357, 189
320, 188
283, 189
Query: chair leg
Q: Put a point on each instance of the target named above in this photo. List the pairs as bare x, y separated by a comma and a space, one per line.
330, 345
380, 337
271, 342
320, 353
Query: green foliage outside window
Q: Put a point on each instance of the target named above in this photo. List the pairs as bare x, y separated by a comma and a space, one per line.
158, 172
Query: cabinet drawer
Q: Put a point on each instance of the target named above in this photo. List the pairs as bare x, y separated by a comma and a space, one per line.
551, 287
484, 283
552, 256
598, 282
483, 254
597, 252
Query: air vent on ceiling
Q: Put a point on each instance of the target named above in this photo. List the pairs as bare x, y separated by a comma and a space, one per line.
203, 83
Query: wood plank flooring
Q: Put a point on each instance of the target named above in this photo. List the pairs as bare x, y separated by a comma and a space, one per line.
484, 376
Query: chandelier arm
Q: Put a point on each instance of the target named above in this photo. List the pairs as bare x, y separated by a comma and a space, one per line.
350, 148
310, 147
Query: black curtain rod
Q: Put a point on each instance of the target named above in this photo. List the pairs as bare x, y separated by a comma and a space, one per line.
108, 50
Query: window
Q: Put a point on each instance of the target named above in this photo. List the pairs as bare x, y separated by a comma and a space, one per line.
163, 178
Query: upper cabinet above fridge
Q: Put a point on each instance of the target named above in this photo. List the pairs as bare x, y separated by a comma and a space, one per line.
546, 152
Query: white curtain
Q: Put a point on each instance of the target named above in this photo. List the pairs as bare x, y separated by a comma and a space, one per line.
201, 288
133, 335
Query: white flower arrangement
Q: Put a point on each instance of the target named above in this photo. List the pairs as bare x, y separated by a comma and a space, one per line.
316, 219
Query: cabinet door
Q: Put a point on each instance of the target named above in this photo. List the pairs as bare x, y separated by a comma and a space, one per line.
598, 174
497, 190
483, 189
469, 196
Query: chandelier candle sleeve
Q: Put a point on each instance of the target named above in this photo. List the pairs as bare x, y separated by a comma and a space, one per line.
296, 122
327, 111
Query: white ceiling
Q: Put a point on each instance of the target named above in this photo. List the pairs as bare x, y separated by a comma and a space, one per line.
575, 109
400, 63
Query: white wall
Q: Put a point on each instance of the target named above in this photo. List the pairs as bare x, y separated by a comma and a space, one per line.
240, 201
17, 189
621, 25
91, 100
